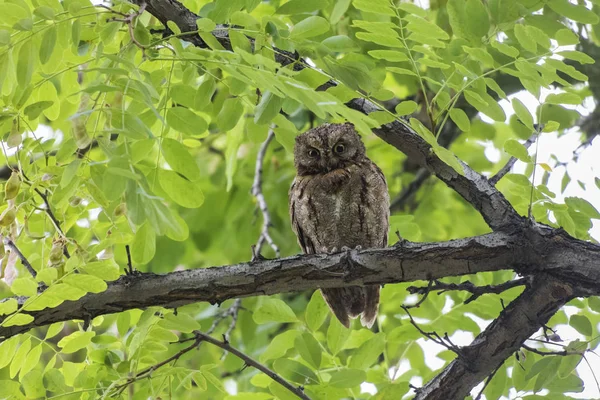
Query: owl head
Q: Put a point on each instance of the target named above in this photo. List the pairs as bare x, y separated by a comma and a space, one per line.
326, 148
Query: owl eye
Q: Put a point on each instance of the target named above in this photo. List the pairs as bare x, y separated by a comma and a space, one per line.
313, 153
339, 148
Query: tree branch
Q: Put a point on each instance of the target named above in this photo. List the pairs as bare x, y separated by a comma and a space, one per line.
262, 203
11, 245
477, 291
570, 260
251, 362
521, 319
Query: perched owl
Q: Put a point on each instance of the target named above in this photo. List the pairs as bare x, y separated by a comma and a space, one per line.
338, 199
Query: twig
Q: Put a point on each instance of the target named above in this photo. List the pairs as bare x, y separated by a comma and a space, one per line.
425, 293
504, 170
468, 286
233, 311
487, 382
552, 353
200, 337
129, 264
50, 214
11, 245
262, 203
128, 20
434, 336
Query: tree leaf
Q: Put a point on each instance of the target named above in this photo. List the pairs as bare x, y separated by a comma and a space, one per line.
309, 27
516, 149
582, 324
186, 121
295, 372
347, 378
75, 341
144, 245
273, 310
309, 349
179, 158
316, 311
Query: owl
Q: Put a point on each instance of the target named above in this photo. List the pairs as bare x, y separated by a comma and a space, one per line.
339, 198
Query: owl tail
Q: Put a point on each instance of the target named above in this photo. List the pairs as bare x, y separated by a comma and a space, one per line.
350, 302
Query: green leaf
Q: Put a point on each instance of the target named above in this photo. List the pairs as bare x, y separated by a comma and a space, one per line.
389, 55
87, 283
594, 303
19, 358
268, 108
107, 270
582, 324
230, 114
449, 158
374, 6
9, 306
469, 19
582, 206
32, 359
295, 372
308, 348
339, 9
47, 45
235, 137
183, 192
568, 365
578, 56
368, 352
144, 245
181, 322
179, 158
524, 38
17, 320
273, 310
299, 6
406, 107
516, 149
347, 378
497, 385
54, 330
309, 27
340, 43
461, 119
576, 12
8, 349
279, 345
205, 25
186, 121
316, 311
26, 63
25, 286
523, 113
563, 98
75, 341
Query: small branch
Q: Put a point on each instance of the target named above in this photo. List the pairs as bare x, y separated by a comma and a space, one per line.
200, 337
129, 264
504, 170
11, 245
425, 293
434, 336
487, 382
262, 203
468, 286
552, 353
233, 311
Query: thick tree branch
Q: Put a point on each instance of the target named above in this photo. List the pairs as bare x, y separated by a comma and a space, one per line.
521, 319
570, 260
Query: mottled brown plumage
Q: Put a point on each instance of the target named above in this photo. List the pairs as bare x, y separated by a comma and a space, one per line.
339, 198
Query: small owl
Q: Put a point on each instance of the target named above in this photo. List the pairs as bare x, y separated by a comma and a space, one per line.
339, 198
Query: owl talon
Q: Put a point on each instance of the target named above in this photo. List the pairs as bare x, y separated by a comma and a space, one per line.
345, 248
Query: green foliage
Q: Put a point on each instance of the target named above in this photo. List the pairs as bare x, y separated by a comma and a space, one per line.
152, 144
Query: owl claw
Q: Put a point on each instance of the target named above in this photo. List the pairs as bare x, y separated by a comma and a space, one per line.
345, 248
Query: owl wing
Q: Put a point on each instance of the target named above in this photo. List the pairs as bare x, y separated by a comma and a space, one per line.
296, 197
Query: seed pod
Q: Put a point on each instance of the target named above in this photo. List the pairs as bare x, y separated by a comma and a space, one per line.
56, 253
120, 210
12, 186
7, 217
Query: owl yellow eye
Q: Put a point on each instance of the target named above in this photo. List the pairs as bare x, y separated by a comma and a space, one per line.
313, 153
339, 148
